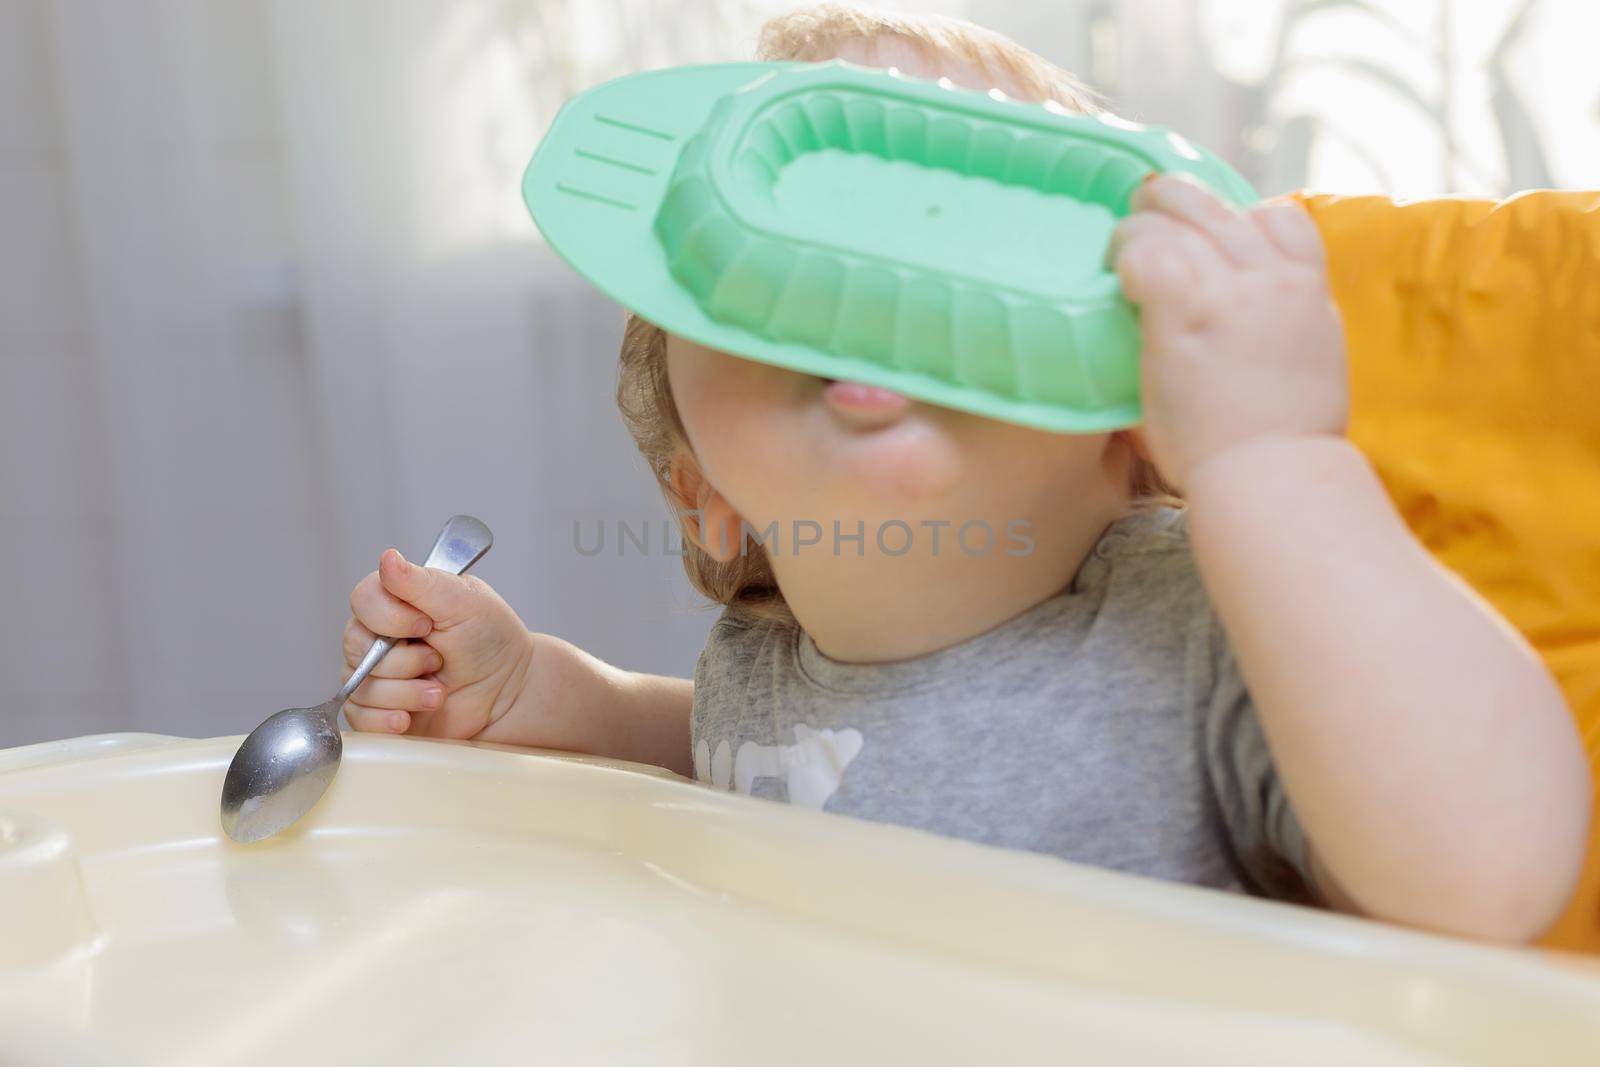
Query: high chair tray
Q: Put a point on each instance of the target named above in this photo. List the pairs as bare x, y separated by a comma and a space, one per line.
855, 223
455, 903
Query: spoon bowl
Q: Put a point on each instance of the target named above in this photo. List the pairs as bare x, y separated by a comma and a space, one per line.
282, 769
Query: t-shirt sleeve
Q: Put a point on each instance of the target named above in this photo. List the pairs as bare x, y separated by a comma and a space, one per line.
1268, 843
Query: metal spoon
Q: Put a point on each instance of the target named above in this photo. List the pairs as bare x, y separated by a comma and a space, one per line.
287, 763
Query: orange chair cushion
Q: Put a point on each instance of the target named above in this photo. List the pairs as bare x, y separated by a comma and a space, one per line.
1474, 331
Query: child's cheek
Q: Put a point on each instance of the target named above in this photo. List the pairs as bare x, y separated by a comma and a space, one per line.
903, 470
743, 432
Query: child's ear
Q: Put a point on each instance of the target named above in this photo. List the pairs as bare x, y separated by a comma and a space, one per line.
708, 519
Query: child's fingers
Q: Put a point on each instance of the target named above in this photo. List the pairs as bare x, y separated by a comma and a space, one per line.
1291, 228
408, 660
1126, 231
446, 598
1154, 228
376, 720
1165, 265
1183, 197
400, 694
382, 612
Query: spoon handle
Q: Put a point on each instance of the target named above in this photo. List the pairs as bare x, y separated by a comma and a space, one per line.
380, 648
461, 543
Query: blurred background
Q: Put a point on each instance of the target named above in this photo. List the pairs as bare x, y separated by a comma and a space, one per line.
270, 301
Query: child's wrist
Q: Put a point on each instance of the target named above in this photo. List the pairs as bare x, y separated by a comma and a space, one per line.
569, 700
509, 719
1267, 457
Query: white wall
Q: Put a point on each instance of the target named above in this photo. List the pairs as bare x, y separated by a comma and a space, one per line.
231, 374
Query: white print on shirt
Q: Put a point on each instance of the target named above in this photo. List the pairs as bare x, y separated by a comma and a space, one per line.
811, 768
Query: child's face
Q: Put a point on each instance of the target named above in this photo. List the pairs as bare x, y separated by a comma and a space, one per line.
776, 444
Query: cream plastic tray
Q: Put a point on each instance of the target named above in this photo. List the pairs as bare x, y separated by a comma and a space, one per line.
453, 903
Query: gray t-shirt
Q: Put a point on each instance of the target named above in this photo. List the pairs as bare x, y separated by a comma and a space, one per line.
1107, 725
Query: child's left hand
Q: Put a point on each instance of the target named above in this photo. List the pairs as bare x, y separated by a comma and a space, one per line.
1241, 336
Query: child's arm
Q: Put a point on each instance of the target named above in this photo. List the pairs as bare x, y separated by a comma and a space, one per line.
1428, 753
575, 702
1425, 748
473, 670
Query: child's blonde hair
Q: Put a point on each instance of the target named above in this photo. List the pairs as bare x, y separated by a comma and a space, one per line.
746, 582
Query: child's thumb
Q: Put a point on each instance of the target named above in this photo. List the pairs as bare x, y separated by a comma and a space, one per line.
443, 597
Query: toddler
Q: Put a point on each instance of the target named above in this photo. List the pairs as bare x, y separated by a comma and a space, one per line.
1205, 650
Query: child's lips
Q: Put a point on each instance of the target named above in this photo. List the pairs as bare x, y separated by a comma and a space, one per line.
864, 403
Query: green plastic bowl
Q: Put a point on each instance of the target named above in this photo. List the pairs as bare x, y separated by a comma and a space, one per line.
859, 224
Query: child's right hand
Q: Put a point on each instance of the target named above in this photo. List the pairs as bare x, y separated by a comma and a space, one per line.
466, 662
